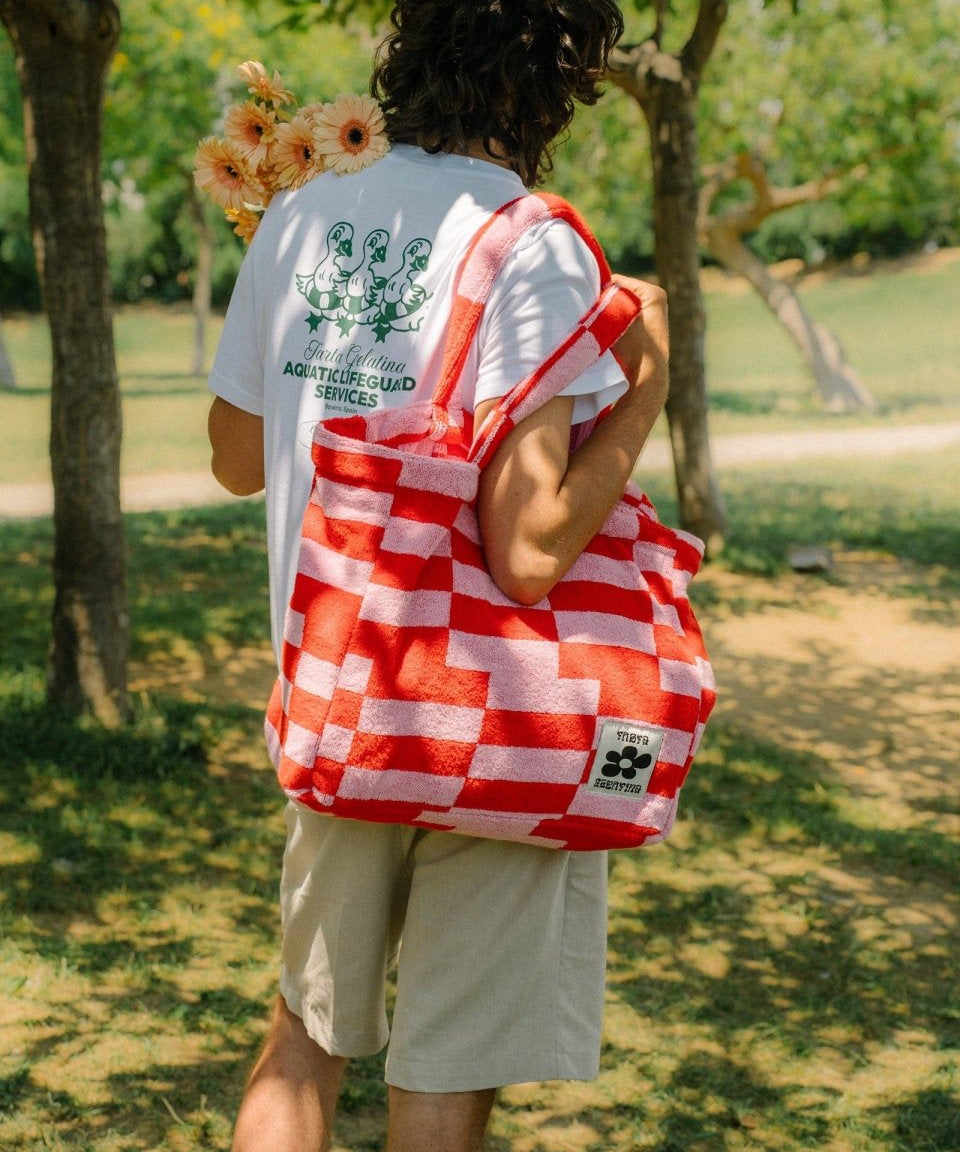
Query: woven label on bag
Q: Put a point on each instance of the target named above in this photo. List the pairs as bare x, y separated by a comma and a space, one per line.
626, 757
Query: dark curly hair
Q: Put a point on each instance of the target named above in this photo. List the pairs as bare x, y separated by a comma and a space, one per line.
508, 73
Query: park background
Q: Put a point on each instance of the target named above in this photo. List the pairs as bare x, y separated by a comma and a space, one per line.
784, 969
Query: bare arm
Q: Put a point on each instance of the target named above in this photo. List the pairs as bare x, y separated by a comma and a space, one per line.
236, 437
538, 506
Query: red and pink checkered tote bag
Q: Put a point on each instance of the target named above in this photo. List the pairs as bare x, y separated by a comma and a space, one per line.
412, 691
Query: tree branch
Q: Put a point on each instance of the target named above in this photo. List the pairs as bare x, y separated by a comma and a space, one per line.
767, 199
662, 6
711, 15
630, 67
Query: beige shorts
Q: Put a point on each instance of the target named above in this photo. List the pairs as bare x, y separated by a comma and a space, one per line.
500, 974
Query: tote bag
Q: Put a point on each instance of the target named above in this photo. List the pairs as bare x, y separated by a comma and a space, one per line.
412, 691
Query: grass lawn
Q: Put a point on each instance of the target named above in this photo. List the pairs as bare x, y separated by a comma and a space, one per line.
895, 324
783, 971
905, 506
899, 327
164, 407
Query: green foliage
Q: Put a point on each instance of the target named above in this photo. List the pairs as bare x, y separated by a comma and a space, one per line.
171, 82
300, 15
18, 276
845, 86
604, 169
829, 86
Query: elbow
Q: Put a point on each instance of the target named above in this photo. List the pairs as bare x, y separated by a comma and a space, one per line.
524, 592
238, 482
530, 594
527, 583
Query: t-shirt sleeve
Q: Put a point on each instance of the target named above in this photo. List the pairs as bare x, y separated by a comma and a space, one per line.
237, 372
544, 288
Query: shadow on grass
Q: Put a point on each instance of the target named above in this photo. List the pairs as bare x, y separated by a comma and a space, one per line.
171, 1107
825, 969
768, 512
910, 751
146, 384
198, 574
132, 859
710, 947
769, 936
29, 390
928, 1121
191, 576
746, 403
718, 1095
162, 384
99, 808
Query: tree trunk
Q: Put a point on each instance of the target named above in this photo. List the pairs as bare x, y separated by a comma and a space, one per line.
671, 115
63, 48
666, 87
841, 389
8, 380
203, 285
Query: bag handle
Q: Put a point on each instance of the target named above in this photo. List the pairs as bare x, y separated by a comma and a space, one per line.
484, 258
598, 330
486, 254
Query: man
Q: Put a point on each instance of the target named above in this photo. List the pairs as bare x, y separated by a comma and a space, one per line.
501, 946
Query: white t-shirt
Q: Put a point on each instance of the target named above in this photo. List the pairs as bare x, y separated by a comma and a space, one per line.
342, 306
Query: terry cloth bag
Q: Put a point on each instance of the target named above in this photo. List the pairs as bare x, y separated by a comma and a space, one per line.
412, 691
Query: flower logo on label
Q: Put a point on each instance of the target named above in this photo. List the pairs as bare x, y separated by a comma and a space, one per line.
625, 762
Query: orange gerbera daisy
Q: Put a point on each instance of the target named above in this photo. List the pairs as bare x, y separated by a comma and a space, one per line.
250, 128
261, 86
294, 155
350, 133
221, 172
312, 111
246, 222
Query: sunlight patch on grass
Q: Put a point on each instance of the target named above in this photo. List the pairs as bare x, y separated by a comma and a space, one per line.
780, 969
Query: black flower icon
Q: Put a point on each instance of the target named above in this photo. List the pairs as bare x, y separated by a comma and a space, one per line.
625, 762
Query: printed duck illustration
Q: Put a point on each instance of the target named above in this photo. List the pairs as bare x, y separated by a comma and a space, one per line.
324, 289
363, 283
401, 296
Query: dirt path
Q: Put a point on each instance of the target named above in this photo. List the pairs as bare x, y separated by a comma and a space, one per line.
864, 677
182, 489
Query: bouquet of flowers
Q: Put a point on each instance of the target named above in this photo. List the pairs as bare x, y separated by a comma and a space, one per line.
270, 144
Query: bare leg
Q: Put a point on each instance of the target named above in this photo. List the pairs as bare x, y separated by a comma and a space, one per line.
438, 1121
291, 1095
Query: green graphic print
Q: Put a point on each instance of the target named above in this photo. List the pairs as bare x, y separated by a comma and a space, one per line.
349, 291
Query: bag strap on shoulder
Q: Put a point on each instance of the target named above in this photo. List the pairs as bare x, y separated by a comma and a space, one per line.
596, 331
486, 254
615, 310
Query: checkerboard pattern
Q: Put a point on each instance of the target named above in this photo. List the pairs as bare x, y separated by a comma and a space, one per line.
412, 691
